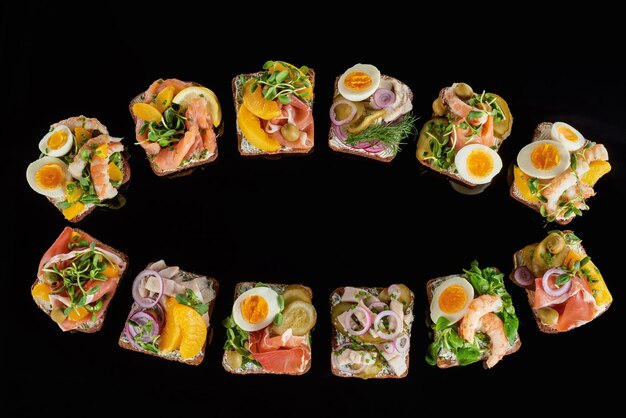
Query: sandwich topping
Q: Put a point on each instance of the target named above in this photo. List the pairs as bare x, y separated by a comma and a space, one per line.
275, 109
371, 113
76, 281
80, 166
472, 318
372, 331
170, 314
464, 134
565, 288
177, 123
269, 329
558, 173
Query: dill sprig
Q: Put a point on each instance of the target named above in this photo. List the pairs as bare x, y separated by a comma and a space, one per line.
390, 134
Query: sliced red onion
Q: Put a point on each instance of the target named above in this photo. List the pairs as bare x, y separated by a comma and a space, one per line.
378, 306
141, 318
380, 331
394, 291
554, 292
345, 368
402, 343
388, 347
383, 98
523, 277
365, 320
146, 303
361, 145
341, 132
334, 120
376, 147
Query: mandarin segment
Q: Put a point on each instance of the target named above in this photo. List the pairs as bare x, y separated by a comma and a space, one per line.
193, 329
258, 105
171, 336
41, 291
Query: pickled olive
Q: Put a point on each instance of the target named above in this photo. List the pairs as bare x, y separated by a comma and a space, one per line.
464, 91
342, 111
555, 243
290, 132
57, 315
548, 316
439, 108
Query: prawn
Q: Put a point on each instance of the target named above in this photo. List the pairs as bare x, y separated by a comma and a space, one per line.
491, 325
478, 308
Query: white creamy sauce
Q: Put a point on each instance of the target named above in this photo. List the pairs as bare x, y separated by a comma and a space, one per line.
338, 144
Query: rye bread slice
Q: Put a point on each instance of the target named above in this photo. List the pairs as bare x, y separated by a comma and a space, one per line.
245, 148
239, 289
174, 356
94, 326
518, 261
187, 168
336, 145
386, 372
444, 363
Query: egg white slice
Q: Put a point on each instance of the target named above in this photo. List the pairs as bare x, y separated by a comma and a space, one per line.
357, 96
270, 296
525, 163
63, 149
568, 136
57, 192
453, 317
460, 160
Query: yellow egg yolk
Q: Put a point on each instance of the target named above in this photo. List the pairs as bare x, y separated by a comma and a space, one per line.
254, 309
57, 140
545, 157
452, 299
567, 133
479, 163
358, 81
50, 176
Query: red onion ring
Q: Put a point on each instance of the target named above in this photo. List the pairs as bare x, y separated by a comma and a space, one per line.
146, 303
341, 132
367, 322
560, 291
334, 120
376, 147
382, 333
383, 98
394, 291
402, 343
141, 318
523, 277
344, 368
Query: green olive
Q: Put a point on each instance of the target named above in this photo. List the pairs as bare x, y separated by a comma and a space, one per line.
464, 91
342, 111
423, 142
405, 296
57, 315
555, 243
290, 132
502, 128
343, 307
548, 316
544, 259
373, 369
439, 108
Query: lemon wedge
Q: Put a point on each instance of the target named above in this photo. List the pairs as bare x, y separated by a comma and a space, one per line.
213, 105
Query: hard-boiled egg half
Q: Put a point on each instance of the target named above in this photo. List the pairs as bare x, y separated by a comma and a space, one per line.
48, 176
451, 299
359, 82
477, 163
543, 159
57, 142
568, 136
256, 308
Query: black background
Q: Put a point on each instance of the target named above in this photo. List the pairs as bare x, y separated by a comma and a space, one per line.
324, 220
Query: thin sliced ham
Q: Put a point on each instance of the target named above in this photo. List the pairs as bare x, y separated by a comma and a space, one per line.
298, 114
58, 247
277, 356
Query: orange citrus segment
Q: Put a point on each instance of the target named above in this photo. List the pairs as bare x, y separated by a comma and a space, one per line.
146, 112
41, 291
81, 135
115, 174
110, 271
193, 329
74, 195
250, 126
171, 335
164, 98
521, 181
73, 211
77, 314
258, 105
596, 170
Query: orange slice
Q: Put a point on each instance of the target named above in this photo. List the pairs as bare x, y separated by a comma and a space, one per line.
171, 336
193, 329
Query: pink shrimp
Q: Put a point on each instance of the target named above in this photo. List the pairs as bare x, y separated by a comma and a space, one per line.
477, 309
597, 152
91, 124
491, 325
562, 183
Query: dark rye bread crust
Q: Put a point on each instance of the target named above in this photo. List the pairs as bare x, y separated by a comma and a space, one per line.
197, 359
518, 262
357, 152
187, 169
542, 131
236, 293
98, 324
445, 363
240, 137
335, 335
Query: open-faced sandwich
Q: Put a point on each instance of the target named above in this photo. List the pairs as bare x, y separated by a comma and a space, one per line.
170, 315
77, 279
565, 289
371, 334
370, 115
80, 167
556, 172
275, 110
462, 138
177, 123
472, 318
269, 330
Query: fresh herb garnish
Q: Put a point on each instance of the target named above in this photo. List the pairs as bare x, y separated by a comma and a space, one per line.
236, 339
391, 134
189, 298
280, 84
441, 141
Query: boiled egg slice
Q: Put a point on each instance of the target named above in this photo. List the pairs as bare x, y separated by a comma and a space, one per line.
48, 176
57, 142
477, 163
256, 308
451, 299
359, 82
543, 159
568, 136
